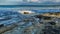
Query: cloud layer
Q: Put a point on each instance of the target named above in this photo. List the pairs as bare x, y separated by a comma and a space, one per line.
15, 2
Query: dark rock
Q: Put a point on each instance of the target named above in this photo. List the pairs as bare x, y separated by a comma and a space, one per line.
52, 23
1, 25
47, 18
38, 16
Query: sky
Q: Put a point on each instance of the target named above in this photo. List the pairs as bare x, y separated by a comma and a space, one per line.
14, 2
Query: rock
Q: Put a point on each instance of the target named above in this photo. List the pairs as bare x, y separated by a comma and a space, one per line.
52, 23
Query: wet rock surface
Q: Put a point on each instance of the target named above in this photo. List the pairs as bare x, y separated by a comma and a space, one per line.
24, 24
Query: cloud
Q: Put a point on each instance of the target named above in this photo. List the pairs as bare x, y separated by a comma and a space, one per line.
14, 2
49, 0
56, 0
41, 1
9, 2
52, 0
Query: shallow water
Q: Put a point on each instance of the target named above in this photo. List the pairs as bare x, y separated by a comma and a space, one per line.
27, 24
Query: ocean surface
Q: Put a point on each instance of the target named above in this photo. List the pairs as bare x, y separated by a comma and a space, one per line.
12, 15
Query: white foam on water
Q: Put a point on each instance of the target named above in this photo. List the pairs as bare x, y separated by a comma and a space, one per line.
22, 12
